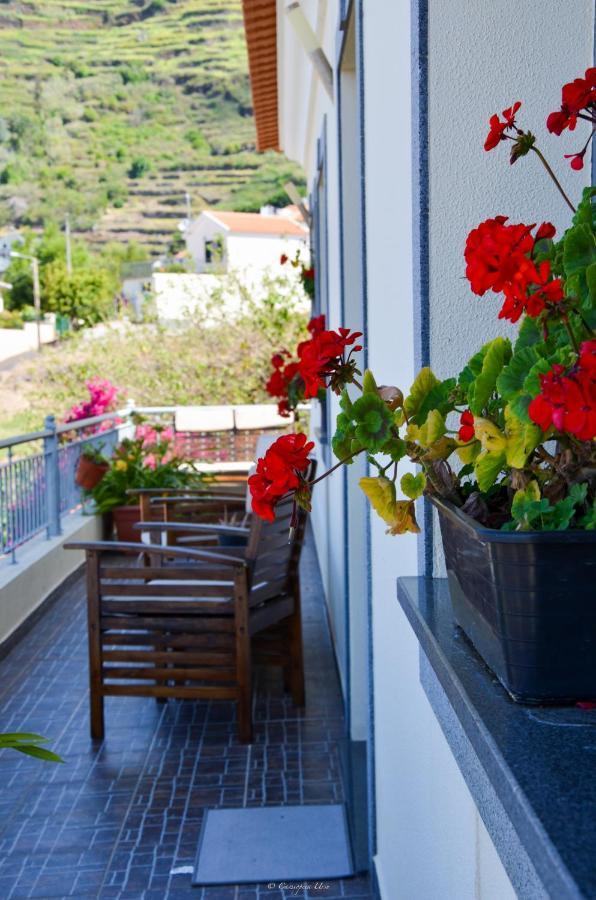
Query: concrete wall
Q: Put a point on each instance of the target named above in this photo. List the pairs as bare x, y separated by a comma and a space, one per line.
41, 567
14, 341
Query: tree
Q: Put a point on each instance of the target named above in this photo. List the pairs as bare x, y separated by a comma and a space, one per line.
86, 296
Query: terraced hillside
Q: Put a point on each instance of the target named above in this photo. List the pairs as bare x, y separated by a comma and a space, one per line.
111, 110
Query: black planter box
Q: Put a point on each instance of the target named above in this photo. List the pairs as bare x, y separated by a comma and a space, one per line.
527, 602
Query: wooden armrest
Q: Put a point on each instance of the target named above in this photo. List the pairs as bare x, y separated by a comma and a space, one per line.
136, 492
193, 527
130, 548
204, 498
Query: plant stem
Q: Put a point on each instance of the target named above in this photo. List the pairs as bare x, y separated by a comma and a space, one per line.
342, 462
571, 333
554, 178
357, 383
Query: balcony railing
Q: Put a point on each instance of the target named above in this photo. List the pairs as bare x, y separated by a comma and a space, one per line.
37, 470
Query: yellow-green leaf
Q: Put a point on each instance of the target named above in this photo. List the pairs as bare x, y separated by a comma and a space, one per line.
522, 439
404, 518
413, 485
380, 492
488, 467
497, 355
369, 385
469, 452
424, 383
433, 429
490, 436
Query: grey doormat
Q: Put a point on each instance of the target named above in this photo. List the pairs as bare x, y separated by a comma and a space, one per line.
273, 843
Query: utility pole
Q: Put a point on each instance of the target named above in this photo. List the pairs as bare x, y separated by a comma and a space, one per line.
188, 206
68, 249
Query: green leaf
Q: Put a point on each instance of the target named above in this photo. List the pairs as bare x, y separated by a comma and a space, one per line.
473, 368
437, 398
579, 249
531, 384
413, 485
586, 211
373, 421
369, 385
488, 467
529, 334
589, 520
39, 752
511, 380
424, 383
519, 407
480, 391
591, 282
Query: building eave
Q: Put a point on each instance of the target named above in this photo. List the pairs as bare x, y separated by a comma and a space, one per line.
260, 26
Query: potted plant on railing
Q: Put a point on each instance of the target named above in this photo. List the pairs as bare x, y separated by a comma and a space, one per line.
505, 450
145, 461
91, 467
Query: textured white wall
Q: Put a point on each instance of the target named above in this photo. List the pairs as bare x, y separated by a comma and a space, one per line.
483, 57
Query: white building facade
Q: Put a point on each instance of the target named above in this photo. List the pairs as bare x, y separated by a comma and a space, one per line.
231, 241
398, 176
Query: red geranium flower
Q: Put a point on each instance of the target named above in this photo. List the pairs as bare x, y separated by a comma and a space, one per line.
577, 95
545, 231
279, 380
497, 128
316, 324
466, 431
567, 400
495, 255
322, 355
577, 159
283, 259
279, 472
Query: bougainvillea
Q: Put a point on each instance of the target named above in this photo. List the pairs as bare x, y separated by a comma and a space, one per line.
511, 440
103, 396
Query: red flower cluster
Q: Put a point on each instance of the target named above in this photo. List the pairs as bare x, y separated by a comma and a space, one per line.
279, 472
497, 132
567, 400
279, 381
466, 431
576, 96
323, 355
499, 258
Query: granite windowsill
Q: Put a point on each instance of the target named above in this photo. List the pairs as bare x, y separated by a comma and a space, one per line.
540, 761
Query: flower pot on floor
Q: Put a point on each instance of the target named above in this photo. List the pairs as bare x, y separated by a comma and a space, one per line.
526, 602
89, 473
125, 517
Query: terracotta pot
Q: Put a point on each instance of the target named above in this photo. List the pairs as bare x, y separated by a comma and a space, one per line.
124, 519
89, 473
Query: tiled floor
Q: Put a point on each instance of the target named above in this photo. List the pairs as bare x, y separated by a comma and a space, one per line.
122, 819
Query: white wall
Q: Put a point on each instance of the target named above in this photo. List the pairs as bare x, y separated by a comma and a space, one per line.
241, 251
14, 341
513, 51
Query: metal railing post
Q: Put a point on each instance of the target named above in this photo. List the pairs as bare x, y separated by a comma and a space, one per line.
50, 448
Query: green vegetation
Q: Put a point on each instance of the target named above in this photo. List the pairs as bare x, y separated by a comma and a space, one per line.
113, 109
86, 295
209, 359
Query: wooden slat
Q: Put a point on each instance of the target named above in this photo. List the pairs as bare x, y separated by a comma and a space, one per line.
200, 692
270, 613
148, 673
171, 589
173, 607
189, 625
220, 640
268, 590
160, 656
193, 572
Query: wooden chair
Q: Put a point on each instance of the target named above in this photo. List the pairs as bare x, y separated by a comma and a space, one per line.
178, 622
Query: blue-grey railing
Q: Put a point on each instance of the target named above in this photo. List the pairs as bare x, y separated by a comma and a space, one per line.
37, 473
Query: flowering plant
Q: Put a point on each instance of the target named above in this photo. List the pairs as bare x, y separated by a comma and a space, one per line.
307, 273
510, 440
321, 361
146, 461
103, 396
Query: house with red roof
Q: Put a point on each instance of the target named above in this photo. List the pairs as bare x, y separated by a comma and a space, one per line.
222, 241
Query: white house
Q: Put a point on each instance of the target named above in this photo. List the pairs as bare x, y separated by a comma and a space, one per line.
386, 103
225, 241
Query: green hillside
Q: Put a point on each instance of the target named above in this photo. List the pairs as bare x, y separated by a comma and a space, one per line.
111, 110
